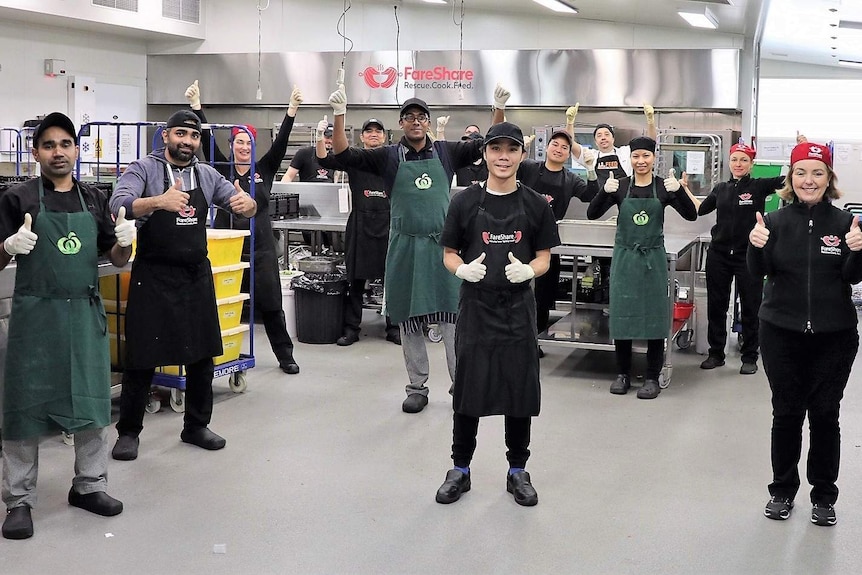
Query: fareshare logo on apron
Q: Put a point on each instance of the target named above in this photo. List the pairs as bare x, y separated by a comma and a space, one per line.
188, 216
69, 245
641, 218
505, 238
424, 181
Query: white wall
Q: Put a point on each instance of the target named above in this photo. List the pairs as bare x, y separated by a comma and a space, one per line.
26, 92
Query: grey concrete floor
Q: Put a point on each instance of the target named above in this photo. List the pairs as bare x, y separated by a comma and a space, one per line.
323, 473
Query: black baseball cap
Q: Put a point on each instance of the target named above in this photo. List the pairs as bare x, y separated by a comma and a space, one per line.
505, 130
328, 131
55, 120
372, 122
415, 103
472, 136
562, 134
184, 119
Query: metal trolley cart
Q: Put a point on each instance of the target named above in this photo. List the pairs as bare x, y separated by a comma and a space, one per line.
105, 170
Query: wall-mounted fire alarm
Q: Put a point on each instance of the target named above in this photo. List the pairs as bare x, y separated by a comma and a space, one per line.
55, 67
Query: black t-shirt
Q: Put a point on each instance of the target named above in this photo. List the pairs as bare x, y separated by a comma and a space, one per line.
24, 198
465, 206
305, 161
557, 187
472, 174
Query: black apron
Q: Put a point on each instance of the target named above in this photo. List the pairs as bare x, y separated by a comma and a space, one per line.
607, 165
172, 317
57, 366
497, 371
367, 234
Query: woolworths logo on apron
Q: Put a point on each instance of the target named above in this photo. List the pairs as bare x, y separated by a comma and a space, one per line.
423, 182
69, 245
641, 218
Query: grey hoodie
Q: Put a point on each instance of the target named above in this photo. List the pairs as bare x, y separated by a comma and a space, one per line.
145, 178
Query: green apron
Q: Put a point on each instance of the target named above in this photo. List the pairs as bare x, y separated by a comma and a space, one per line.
638, 291
57, 366
417, 282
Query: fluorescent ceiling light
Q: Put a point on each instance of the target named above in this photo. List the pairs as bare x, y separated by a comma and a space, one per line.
435, 1
700, 19
558, 6
850, 63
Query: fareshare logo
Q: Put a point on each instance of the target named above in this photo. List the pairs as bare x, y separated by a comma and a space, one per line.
378, 77
434, 78
512, 238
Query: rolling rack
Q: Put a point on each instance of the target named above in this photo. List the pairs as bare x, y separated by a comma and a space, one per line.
171, 377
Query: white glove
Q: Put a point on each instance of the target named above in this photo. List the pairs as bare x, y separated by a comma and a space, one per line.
441, 123
671, 184
474, 271
295, 99
322, 126
23, 241
528, 140
612, 185
649, 112
516, 272
338, 101
124, 229
590, 158
193, 95
501, 96
759, 235
571, 113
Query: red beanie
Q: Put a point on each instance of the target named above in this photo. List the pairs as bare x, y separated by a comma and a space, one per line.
747, 150
249, 127
811, 151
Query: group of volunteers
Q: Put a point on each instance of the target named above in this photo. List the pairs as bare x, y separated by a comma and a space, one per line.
466, 263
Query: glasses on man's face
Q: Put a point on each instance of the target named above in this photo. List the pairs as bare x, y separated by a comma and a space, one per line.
410, 118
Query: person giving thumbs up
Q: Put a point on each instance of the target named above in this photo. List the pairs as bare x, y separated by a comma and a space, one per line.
23, 241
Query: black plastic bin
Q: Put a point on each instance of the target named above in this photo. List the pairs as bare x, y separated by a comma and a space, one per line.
319, 299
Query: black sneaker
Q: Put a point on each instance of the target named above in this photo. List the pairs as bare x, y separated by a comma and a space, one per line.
621, 384
779, 508
712, 362
349, 338
748, 368
823, 514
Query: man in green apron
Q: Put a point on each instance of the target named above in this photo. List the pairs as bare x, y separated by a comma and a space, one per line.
417, 171
57, 375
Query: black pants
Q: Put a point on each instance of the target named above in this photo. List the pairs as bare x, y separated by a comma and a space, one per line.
807, 375
655, 357
353, 307
135, 396
276, 332
545, 288
267, 299
465, 428
721, 269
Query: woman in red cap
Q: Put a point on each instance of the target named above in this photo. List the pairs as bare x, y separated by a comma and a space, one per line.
735, 202
809, 253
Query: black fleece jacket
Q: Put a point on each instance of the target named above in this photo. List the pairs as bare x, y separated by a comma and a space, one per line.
808, 267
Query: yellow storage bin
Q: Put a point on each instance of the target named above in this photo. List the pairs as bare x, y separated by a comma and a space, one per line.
225, 246
115, 287
230, 311
231, 341
228, 280
116, 312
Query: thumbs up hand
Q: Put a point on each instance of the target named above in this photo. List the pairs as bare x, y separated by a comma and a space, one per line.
193, 95
501, 96
649, 112
671, 184
517, 272
338, 101
854, 236
322, 126
23, 241
759, 235
125, 230
612, 185
295, 99
474, 271
572, 113
441, 122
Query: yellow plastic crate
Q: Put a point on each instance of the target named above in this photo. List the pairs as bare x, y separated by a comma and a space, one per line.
225, 246
228, 280
231, 340
230, 311
115, 287
116, 312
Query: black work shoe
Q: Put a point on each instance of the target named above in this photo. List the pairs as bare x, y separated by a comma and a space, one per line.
518, 484
650, 389
394, 336
349, 338
711, 362
779, 508
457, 482
414, 403
18, 523
97, 502
204, 438
289, 366
748, 368
621, 385
823, 514
126, 448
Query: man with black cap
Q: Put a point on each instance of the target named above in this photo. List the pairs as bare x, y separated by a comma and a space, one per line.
418, 173
639, 277
497, 237
171, 316
367, 235
558, 185
57, 373
305, 165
